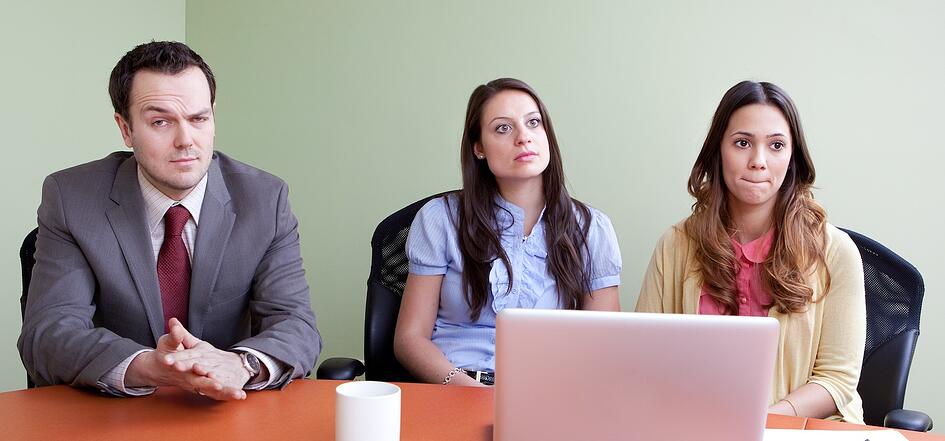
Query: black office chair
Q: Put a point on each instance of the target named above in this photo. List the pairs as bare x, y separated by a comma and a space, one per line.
385, 287
894, 290
26, 266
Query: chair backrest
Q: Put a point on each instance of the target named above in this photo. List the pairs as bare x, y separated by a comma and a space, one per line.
894, 290
26, 266
385, 286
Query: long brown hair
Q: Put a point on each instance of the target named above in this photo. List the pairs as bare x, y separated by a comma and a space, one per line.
565, 234
799, 221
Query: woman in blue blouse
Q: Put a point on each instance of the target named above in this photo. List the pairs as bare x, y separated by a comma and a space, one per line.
511, 238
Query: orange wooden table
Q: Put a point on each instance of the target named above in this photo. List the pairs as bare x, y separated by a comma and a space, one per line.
304, 410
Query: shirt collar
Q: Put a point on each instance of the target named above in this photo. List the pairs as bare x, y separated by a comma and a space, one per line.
517, 213
757, 250
157, 203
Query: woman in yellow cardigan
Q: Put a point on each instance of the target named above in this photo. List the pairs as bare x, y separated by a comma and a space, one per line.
758, 244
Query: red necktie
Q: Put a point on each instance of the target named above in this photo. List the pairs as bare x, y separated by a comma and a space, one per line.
173, 266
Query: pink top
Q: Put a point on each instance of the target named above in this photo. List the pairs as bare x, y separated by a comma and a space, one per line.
752, 296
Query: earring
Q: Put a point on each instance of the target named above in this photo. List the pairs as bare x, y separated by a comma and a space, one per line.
481, 156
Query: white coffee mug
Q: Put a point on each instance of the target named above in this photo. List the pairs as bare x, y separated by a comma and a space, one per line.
367, 411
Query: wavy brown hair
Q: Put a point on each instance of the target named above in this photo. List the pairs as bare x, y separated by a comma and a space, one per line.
799, 221
566, 220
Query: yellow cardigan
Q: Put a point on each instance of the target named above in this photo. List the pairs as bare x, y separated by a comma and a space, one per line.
822, 345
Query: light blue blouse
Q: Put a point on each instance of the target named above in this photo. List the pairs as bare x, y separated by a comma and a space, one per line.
433, 249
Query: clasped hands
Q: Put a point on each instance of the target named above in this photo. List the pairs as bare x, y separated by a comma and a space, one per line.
182, 360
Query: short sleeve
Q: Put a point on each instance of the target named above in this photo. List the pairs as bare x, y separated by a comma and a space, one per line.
604, 252
429, 238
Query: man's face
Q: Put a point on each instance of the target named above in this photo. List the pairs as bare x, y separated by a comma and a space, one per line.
171, 129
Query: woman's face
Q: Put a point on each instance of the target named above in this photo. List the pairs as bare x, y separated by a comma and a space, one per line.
513, 140
756, 152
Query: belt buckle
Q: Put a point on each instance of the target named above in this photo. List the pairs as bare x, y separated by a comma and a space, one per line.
481, 376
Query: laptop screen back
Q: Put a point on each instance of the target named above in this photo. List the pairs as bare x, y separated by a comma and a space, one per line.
581, 375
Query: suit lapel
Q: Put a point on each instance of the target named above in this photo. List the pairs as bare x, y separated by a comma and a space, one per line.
213, 232
127, 220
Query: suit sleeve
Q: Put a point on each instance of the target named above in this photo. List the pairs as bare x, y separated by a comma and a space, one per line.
59, 342
280, 305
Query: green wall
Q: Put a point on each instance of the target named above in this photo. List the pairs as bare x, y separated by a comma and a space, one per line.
55, 113
359, 106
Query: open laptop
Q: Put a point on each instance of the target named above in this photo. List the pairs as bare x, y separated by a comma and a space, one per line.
582, 375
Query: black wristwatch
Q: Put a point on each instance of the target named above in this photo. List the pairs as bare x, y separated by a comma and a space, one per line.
251, 364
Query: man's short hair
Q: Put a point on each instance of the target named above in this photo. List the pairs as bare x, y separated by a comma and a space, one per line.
166, 57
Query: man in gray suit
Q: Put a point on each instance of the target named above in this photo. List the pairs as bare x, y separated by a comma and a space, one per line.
172, 264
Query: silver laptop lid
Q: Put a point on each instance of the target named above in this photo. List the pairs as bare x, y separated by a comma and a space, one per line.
582, 375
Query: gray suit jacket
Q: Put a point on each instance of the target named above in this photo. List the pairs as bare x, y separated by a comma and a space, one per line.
94, 298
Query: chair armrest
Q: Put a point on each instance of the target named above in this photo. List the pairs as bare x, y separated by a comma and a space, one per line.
908, 420
339, 368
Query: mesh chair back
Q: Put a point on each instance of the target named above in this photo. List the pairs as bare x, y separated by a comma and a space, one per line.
26, 266
894, 290
389, 268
